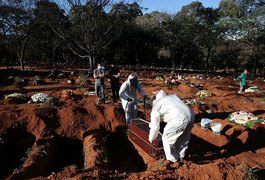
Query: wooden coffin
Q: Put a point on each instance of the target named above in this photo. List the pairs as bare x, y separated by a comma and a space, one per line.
138, 132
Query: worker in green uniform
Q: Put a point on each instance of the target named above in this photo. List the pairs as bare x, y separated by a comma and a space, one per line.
243, 81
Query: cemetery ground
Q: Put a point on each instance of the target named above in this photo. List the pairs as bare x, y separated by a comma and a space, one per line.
69, 135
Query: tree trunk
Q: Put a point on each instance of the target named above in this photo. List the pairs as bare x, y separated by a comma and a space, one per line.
20, 55
255, 67
207, 59
53, 55
173, 65
6, 63
136, 57
92, 61
255, 64
22, 67
21, 51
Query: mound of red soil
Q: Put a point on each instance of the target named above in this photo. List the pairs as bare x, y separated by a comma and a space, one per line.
186, 91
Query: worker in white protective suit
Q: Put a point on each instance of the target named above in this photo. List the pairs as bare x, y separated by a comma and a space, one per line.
128, 96
179, 119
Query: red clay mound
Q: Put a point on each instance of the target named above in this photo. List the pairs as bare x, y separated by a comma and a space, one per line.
185, 91
115, 118
76, 119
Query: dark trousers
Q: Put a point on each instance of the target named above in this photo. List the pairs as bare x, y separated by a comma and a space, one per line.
115, 87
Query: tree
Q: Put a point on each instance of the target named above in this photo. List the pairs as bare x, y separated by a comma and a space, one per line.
228, 8
89, 29
154, 24
17, 16
227, 55
199, 28
247, 28
126, 12
133, 43
48, 15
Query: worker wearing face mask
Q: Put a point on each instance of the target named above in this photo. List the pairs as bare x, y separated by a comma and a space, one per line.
128, 96
178, 118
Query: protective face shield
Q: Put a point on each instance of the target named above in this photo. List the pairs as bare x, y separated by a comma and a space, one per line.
134, 82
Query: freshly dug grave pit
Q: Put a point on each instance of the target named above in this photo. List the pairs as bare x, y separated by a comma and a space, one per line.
123, 155
38, 161
15, 144
24, 157
45, 156
69, 152
109, 150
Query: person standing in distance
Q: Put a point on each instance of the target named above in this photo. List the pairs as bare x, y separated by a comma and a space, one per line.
99, 75
114, 74
243, 81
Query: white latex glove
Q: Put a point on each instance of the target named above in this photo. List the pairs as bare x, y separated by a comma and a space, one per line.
150, 140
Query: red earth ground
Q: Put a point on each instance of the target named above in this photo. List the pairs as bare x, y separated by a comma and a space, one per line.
79, 139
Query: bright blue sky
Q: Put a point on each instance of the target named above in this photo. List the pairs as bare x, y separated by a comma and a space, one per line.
171, 6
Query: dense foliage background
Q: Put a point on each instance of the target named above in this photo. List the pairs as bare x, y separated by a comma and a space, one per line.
84, 32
